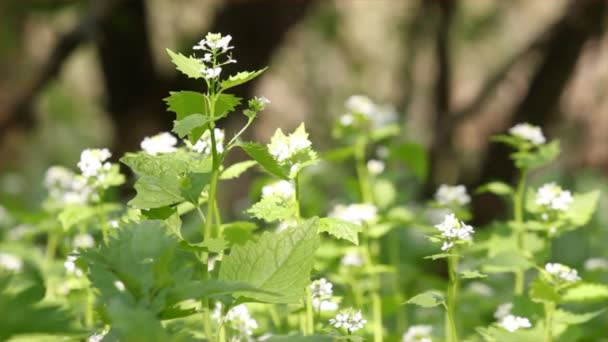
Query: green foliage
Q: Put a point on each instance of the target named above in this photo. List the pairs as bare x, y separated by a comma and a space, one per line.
428, 299
189, 66
240, 78
340, 229
237, 169
260, 154
273, 208
415, 157
585, 292
278, 263
497, 188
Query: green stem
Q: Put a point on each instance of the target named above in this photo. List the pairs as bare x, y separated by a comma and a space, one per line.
394, 255
310, 319
549, 310
377, 313
362, 175
51, 245
207, 319
296, 196
518, 200
452, 335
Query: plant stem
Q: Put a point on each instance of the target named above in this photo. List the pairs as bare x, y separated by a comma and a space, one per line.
366, 194
377, 313
452, 334
206, 318
394, 245
296, 195
51, 245
549, 310
518, 200
310, 319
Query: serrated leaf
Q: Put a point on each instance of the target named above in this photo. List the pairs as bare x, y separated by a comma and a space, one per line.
239, 232
190, 66
440, 256
428, 299
192, 185
185, 103
195, 121
273, 208
225, 103
240, 78
340, 229
532, 159
586, 292
278, 263
583, 207
497, 188
567, 317
260, 154
542, 292
472, 274
235, 170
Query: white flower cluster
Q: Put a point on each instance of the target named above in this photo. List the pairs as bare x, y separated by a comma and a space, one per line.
163, 142
214, 45
348, 319
481, 289
513, 323
83, 241
503, 310
553, 197
528, 132
203, 145
352, 259
93, 161
10, 262
66, 187
453, 230
418, 333
97, 337
562, 273
375, 167
237, 318
284, 147
359, 213
321, 292
361, 109
70, 266
595, 264
452, 195
283, 189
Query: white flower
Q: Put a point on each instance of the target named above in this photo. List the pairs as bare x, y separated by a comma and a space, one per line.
119, 285
92, 161
360, 104
348, 319
453, 230
65, 187
562, 272
528, 132
237, 318
10, 262
206, 57
375, 167
355, 213
514, 323
503, 310
203, 145
481, 289
365, 110
283, 189
210, 73
321, 289
283, 147
214, 41
70, 266
352, 259
97, 337
553, 197
347, 119
114, 223
418, 333
594, 264
83, 241
161, 143
449, 195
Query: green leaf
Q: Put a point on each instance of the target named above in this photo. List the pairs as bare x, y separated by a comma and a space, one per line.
224, 104
415, 156
239, 232
506, 261
340, 229
583, 207
273, 208
586, 292
278, 263
186, 103
440, 256
260, 154
189, 123
497, 188
384, 193
190, 66
192, 185
240, 78
531, 159
569, 318
235, 170
472, 274
428, 299
542, 292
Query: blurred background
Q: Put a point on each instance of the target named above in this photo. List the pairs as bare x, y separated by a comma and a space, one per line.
93, 73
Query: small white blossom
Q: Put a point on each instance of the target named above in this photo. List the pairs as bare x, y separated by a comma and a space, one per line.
210, 73
450, 195
352, 259
203, 145
594, 264
321, 292
528, 132
562, 272
375, 167
284, 147
161, 143
114, 223
453, 230
418, 333
84, 241
97, 337
237, 318
119, 285
70, 266
355, 213
65, 187
92, 161
283, 189
10, 262
481, 289
503, 310
206, 57
553, 197
348, 319
360, 104
347, 119
514, 323
214, 41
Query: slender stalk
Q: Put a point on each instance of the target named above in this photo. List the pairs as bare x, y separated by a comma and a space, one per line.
310, 319
518, 200
296, 194
53, 237
549, 311
394, 255
362, 175
206, 319
377, 313
452, 334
